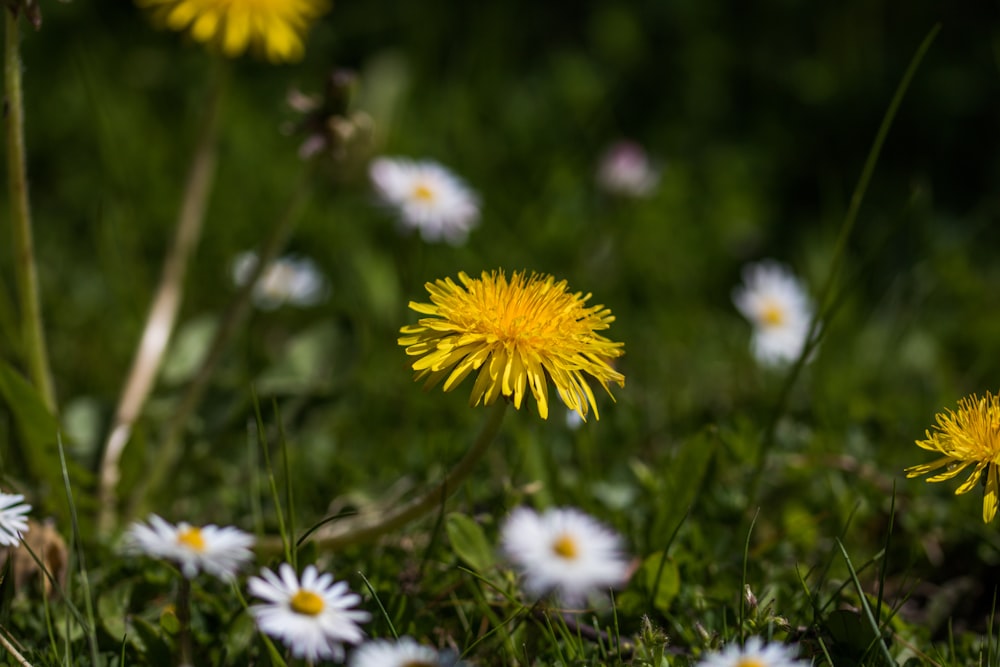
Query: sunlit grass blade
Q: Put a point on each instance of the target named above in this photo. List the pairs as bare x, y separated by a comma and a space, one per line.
872, 621
381, 607
286, 538
76, 548
743, 576
824, 300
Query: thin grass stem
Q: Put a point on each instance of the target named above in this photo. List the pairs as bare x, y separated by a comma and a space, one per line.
184, 619
162, 315
25, 266
14, 653
381, 607
77, 547
171, 446
286, 537
872, 621
824, 297
743, 576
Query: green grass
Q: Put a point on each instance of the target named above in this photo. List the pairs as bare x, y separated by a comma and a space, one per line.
753, 501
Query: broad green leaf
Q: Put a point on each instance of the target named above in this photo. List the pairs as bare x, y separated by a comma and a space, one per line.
38, 430
660, 578
469, 542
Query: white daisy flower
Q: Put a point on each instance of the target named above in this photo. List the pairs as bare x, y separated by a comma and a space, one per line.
220, 552
755, 653
13, 519
405, 652
779, 309
625, 169
313, 617
563, 551
427, 197
292, 280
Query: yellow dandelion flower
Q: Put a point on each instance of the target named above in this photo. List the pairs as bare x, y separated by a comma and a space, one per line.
519, 334
968, 436
274, 28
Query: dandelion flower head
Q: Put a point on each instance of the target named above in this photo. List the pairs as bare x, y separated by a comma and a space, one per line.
563, 551
13, 518
754, 653
520, 334
969, 436
274, 28
219, 551
314, 617
427, 197
404, 652
774, 301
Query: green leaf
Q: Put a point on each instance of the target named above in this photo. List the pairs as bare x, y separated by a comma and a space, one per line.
660, 578
158, 652
469, 542
112, 607
188, 350
38, 429
853, 638
170, 622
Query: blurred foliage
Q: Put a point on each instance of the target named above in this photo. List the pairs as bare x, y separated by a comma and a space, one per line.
761, 118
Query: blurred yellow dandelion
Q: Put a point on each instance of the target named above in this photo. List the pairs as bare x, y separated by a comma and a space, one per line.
968, 436
274, 28
519, 334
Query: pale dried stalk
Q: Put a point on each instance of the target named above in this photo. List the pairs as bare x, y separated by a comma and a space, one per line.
163, 313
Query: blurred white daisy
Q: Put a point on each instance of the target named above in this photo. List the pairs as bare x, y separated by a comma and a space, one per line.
625, 169
573, 419
292, 280
755, 653
219, 551
314, 617
427, 197
779, 309
563, 551
405, 652
13, 518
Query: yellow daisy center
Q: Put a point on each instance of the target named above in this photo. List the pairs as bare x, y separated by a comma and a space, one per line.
417, 663
306, 603
565, 547
750, 662
191, 538
423, 193
772, 314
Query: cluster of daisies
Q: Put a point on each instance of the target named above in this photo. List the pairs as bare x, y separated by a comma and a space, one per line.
561, 553
429, 198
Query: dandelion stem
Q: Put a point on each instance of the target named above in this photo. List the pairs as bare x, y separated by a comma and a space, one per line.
25, 266
166, 303
373, 524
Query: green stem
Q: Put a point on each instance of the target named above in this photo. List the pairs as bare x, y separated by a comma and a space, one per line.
840, 249
166, 304
231, 322
184, 620
373, 524
33, 333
